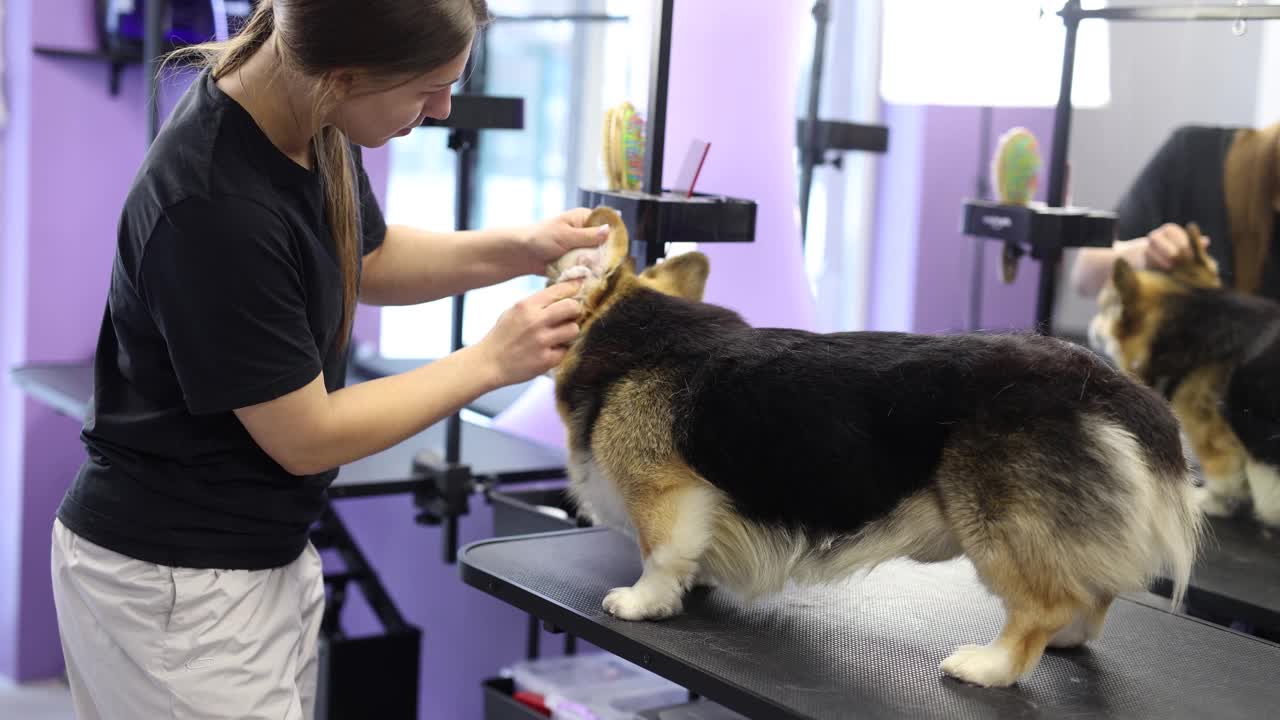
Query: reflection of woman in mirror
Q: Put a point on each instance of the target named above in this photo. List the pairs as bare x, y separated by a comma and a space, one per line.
1225, 179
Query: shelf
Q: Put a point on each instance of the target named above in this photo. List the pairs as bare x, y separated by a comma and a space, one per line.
1038, 227
655, 220
117, 60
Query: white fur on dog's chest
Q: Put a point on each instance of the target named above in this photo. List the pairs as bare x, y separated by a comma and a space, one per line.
599, 497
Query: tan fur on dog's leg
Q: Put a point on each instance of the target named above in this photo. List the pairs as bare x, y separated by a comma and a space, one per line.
1032, 619
1264, 485
1015, 652
673, 521
1224, 483
1221, 456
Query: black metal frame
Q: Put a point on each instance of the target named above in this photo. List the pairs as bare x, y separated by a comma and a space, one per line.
1072, 14
445, 497
815, 137
659, 81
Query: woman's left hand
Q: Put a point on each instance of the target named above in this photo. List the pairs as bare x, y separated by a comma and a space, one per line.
549, 240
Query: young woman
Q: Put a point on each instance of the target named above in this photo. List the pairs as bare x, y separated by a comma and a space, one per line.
1225, 179
184, 580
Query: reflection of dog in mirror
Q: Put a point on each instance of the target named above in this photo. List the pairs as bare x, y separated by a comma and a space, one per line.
1215, 354
746, 458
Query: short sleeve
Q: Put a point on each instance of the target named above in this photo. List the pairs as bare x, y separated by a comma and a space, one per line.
1146, 205
373, 227
221, 280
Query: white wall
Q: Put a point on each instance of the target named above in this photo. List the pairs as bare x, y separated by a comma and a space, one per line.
1164, 75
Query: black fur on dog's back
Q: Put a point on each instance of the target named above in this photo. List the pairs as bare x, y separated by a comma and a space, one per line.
1208, 326
876, 412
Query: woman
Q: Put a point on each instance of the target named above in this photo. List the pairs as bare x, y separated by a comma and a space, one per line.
184, 581
1225, 180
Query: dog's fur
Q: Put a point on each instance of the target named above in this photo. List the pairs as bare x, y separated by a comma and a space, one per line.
747, 458
1215, 354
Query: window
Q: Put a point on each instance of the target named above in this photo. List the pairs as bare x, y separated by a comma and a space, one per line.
567, 78
842, 200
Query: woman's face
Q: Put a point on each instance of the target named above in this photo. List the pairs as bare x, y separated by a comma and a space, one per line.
373, 112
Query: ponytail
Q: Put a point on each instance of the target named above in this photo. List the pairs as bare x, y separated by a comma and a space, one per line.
1251, 185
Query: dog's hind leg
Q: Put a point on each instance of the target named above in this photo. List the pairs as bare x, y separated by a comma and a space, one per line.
673, 513
1033, 618
1224, 487
1216, 447
1264, 485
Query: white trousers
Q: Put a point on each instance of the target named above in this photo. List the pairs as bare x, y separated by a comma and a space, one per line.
144, 641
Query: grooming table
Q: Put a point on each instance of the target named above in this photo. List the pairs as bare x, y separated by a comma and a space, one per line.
67, 389
491, 453
871, 648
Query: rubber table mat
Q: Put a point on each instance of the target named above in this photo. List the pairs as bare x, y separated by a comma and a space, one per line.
870, 648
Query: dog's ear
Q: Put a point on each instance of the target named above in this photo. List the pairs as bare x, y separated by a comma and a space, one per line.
595, 265
1196, 268
1125, 281
683, 275
1196, 242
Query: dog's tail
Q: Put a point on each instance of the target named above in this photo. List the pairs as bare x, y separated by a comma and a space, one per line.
1179, 529
1165, 527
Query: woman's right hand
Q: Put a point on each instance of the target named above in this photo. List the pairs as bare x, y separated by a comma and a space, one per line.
1159, 250
533, 335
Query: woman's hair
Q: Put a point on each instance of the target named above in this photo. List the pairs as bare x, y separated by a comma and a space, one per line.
379, 39
1251, 184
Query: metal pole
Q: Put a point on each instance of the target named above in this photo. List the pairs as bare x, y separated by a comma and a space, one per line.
463, 141
982, 190
810, 154
1051, 257
1062, 113
659, 76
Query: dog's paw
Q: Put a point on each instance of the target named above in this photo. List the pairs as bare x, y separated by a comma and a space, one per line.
1214, 504
985, 665
633, 603
1073, 635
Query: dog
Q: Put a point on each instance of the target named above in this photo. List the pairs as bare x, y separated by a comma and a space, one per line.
1214, 353
745, 458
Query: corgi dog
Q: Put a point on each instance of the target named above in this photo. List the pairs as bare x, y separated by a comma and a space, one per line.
1215, 354
746, 458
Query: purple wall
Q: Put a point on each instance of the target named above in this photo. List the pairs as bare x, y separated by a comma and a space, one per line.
741, 98
72, 151
920, 260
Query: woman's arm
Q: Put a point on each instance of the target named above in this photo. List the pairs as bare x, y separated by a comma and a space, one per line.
413, 266
311, 430
1160, 249
1093, 265
1141, 215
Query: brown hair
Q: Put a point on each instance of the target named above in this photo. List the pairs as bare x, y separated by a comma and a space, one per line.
377, 38
1251, 185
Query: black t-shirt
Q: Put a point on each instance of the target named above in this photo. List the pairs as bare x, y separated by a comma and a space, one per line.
1183, 183
225, 292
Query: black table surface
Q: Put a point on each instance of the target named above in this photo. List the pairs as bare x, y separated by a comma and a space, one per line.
68, 389
871, 648
65, 388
